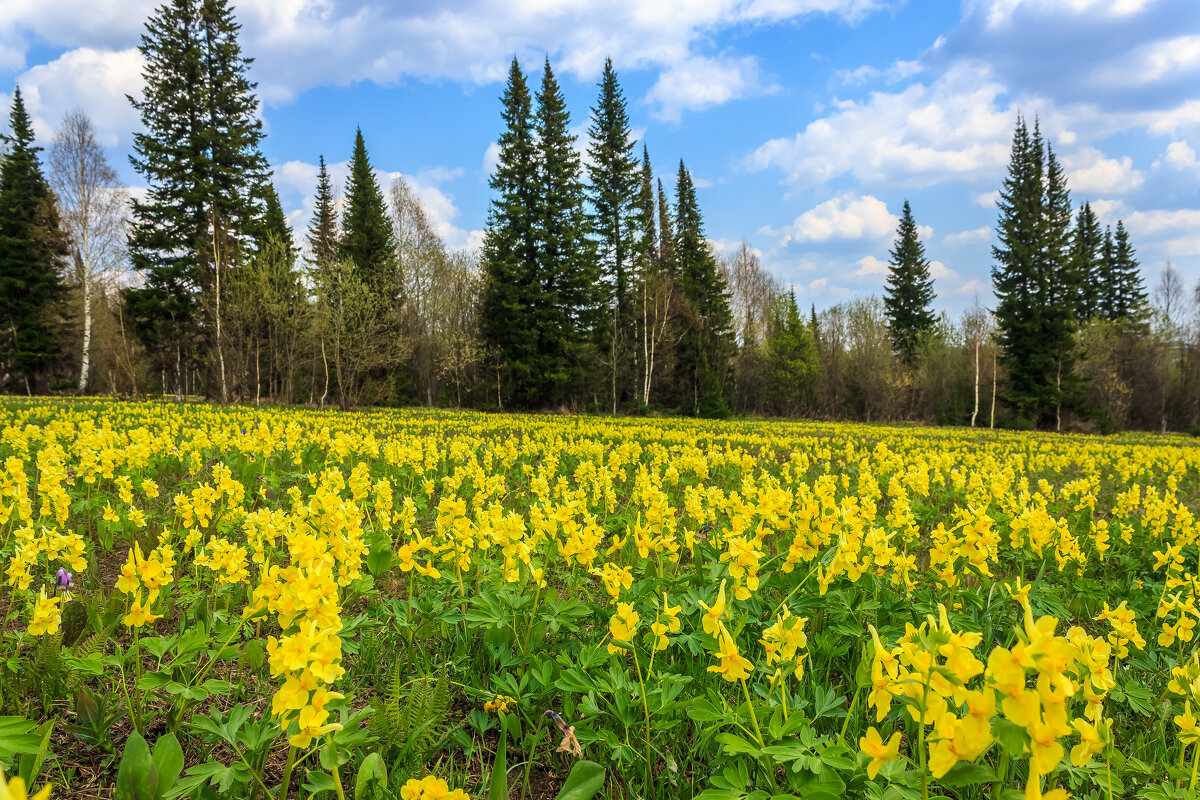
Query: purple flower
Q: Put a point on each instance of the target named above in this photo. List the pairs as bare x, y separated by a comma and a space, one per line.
62, 579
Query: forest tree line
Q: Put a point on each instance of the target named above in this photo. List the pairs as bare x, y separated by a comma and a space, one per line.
596, 288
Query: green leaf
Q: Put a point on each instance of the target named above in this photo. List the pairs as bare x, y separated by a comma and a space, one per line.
317, 782
967, 773
168, 760
16, 737
736, 745
252, 655
1012, 737
498, 789
137, 777
584, 781
370, 770
30, 765
720, 794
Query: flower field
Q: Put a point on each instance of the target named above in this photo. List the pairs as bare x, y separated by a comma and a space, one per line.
238, 602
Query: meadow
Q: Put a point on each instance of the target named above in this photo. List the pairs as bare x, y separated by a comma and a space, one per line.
206, 601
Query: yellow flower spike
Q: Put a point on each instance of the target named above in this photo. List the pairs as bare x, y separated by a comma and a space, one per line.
14, 789
732, 667
46, 615
1186, 721
711, 620
873, 745
139, 615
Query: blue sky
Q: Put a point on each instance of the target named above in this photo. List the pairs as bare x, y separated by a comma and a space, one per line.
806, 123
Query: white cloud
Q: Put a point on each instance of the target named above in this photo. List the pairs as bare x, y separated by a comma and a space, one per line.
973, 236
898, 71
491, 157
1179, 155
699, 82
954, 127
870, 265
1184, 117
845, 217
1000, 12
299, 44
95, 81
300, 178
1088, 170
987, 199
1147, 224
1152, 62
940, 271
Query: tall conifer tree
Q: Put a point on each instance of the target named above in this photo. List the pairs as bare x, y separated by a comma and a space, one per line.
323, 235
368, 241
510, 246
707, 347
32, 247
646, 248
667, 261
1124, 293
1086, 258
1061, 288
1017, 276
909, 290
567, 313
199, 154
613, 182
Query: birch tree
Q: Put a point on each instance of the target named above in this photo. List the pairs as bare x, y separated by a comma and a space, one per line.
93, 208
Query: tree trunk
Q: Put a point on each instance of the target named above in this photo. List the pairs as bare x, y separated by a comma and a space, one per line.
324, 361
975, 410
85, 357
992, 421
220, 349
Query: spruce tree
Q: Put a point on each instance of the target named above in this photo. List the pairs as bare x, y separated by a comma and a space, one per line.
652, 313
792, 360
613, 193
368, 241
1017, 278
909, 290
510, 245
274, 222
32, 247
1086, 259
199, 155
323, 233
707, 348
667, 262
567, 312
646, 248
1126, 293
1061, 289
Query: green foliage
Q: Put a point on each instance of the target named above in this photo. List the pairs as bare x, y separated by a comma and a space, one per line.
704, 368
1035, 282
792, 360
199, 155
584, 782
31, 248
909, 290
368, 242
510, 244
146, 774
408, 725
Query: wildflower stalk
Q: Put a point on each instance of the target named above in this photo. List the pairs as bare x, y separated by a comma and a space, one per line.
758, 734
1195, 765
287, 772
646, 711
